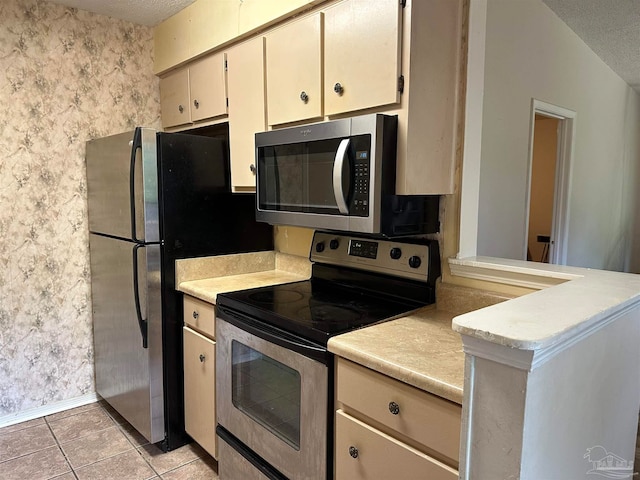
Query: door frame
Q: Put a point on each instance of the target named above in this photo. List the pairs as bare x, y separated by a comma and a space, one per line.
562, 188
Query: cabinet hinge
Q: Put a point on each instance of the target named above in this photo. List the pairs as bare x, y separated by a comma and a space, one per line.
403, 3
401, 83
225, 66
227, 102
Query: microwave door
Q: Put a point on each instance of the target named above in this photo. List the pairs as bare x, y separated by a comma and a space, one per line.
338, 176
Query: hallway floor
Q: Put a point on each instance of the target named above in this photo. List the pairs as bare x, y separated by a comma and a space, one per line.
93, 442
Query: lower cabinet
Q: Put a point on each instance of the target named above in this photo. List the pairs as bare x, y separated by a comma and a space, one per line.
199, 388
388, 429
363, 452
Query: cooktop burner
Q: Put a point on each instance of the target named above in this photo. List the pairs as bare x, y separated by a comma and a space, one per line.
269, 297
314, 310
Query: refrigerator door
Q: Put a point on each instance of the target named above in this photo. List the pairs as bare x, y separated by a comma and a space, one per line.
128, 375
120, 168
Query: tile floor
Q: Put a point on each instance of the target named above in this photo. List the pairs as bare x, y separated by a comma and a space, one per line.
93, 443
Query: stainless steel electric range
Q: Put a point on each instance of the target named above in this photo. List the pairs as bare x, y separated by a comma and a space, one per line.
274, 375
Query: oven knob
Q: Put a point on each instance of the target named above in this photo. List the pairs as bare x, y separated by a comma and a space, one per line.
320, 247
395, 253
414, 262
334, 244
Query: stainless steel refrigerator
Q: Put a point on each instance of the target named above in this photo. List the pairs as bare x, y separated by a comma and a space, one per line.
153, 198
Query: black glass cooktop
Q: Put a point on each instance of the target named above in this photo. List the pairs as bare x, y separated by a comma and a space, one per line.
314, 309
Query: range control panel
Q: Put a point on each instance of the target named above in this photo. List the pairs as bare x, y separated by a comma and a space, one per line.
391, 257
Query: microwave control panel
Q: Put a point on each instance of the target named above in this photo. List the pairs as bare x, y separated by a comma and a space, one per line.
359, 205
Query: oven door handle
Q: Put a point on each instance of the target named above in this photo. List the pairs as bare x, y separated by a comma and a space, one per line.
274, 335
338, 165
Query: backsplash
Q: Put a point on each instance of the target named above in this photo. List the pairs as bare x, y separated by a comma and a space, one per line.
66, 76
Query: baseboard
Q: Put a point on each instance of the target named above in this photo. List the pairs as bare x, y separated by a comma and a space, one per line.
49, 409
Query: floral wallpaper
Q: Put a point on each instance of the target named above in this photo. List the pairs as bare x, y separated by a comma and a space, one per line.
66, 76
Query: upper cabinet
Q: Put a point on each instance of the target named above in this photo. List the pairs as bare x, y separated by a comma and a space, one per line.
339, 58
362, 41
208, 24
294, 71
194, 93
247, 115
361, 63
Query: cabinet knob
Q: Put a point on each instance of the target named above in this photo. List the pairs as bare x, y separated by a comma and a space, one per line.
338, 89
252, 167
202, 358
304, 97
196, 103
353, 451
195, 314
394, 408
180, 108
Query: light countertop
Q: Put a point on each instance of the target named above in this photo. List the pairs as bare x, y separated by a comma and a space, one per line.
419, 349
209, 288
206, 277
579, 301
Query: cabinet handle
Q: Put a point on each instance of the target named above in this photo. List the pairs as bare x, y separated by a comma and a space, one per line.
338, 89
353, 451
202, 358
304, 97
252, 167
394, 408
196, 103
195, 314
180, 108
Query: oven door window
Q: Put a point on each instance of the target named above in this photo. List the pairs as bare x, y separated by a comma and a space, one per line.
267, 391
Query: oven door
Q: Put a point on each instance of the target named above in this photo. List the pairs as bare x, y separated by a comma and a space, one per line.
272, 398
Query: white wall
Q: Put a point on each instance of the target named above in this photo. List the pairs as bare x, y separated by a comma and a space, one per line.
531, 53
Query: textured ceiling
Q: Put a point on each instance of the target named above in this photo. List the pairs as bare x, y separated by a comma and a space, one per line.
611, 28
144, 12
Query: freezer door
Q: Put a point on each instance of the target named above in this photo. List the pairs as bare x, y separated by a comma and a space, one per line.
128, 375
119, 168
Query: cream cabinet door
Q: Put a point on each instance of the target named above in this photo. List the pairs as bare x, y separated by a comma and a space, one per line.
200, 389
208, 88
247, 115
294, 71
362, 42
174, 98
364, 453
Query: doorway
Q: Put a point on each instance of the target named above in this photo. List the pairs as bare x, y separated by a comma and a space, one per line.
551, 146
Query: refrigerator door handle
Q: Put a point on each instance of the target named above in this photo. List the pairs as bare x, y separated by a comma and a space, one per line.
142, 323
135, 146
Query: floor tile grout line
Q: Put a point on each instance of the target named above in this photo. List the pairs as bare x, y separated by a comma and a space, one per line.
86, 434
147, 461
60, 448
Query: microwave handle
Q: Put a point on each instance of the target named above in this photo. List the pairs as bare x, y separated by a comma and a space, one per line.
338, 163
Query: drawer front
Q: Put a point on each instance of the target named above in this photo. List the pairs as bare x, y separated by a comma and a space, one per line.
421, 416
200, 389
363, 452
233, 466
200, 315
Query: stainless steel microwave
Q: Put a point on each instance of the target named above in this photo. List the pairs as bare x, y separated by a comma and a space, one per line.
336, 175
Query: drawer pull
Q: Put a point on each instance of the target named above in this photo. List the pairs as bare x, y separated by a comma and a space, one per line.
202, 358
353, 451
394, 408
195, 314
